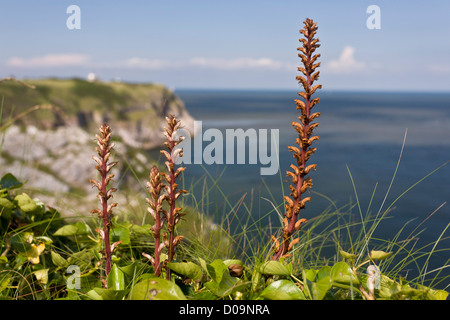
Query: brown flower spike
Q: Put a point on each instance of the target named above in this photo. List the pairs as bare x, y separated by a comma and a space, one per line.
174, 214
104, 194
300, 182
158, 213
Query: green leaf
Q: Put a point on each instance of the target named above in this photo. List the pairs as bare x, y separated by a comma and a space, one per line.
82, 258
6, 208
407, 293
187, 269
227, 285
232, 261
317, 282
256, 278
309, 274
10, 182
323, 272
20, 243
3, 259
67, 230
4, 283
438, 294
106, 294
25, 203
432, 294
388, 287
58, 260
203, 264
347, 255
143, 230
116, 279
41, 276
119, 232
379, 255
44, 239
275, 268
156, 289
223, 283
341, 272
78, 228
320, 288
130, 270
40, 207
216, 270
282, 290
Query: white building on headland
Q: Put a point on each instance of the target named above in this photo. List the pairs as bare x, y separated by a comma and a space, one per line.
91, 77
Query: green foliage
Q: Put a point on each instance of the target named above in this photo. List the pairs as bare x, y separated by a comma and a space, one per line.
282, 290
156, 289
38, 248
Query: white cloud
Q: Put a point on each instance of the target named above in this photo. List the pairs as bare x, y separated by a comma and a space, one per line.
77, 60
240, 63
440, 69
213, 63
144, 63
346, 62
49, 60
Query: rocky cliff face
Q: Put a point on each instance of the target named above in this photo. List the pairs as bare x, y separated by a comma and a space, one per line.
136, 111
52, 147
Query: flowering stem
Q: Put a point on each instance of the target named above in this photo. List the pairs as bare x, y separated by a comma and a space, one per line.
104, 167
302, 153
156, 210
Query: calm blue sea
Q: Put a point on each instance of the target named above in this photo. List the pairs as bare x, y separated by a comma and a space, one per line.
360, 132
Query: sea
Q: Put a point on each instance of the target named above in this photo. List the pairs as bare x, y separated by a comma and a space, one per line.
377, 151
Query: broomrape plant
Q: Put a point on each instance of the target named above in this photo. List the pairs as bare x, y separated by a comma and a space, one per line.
300, 181
173, 215
104, 193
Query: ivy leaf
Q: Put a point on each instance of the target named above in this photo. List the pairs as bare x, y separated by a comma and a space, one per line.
156, 289
4, 283
10, 182
78, 228
119, 232
41, 275
6, 208
347, 255
282, 290
106, 294
142, 230
233, 261
222, 282
25, 203
116, 279
275, 268
21, 241
379, 255
342, 273
187, 269
58, 260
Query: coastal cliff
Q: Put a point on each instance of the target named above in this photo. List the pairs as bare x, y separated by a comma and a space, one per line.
136, 111
48, 133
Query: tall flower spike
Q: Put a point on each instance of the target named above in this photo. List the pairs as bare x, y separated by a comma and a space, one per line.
304, 127
104, 147
174, 214
158, 213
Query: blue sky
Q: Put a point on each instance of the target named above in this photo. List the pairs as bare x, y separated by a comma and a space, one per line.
229, 44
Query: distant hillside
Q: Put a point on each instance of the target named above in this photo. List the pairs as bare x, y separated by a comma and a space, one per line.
136, 111
51, 149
